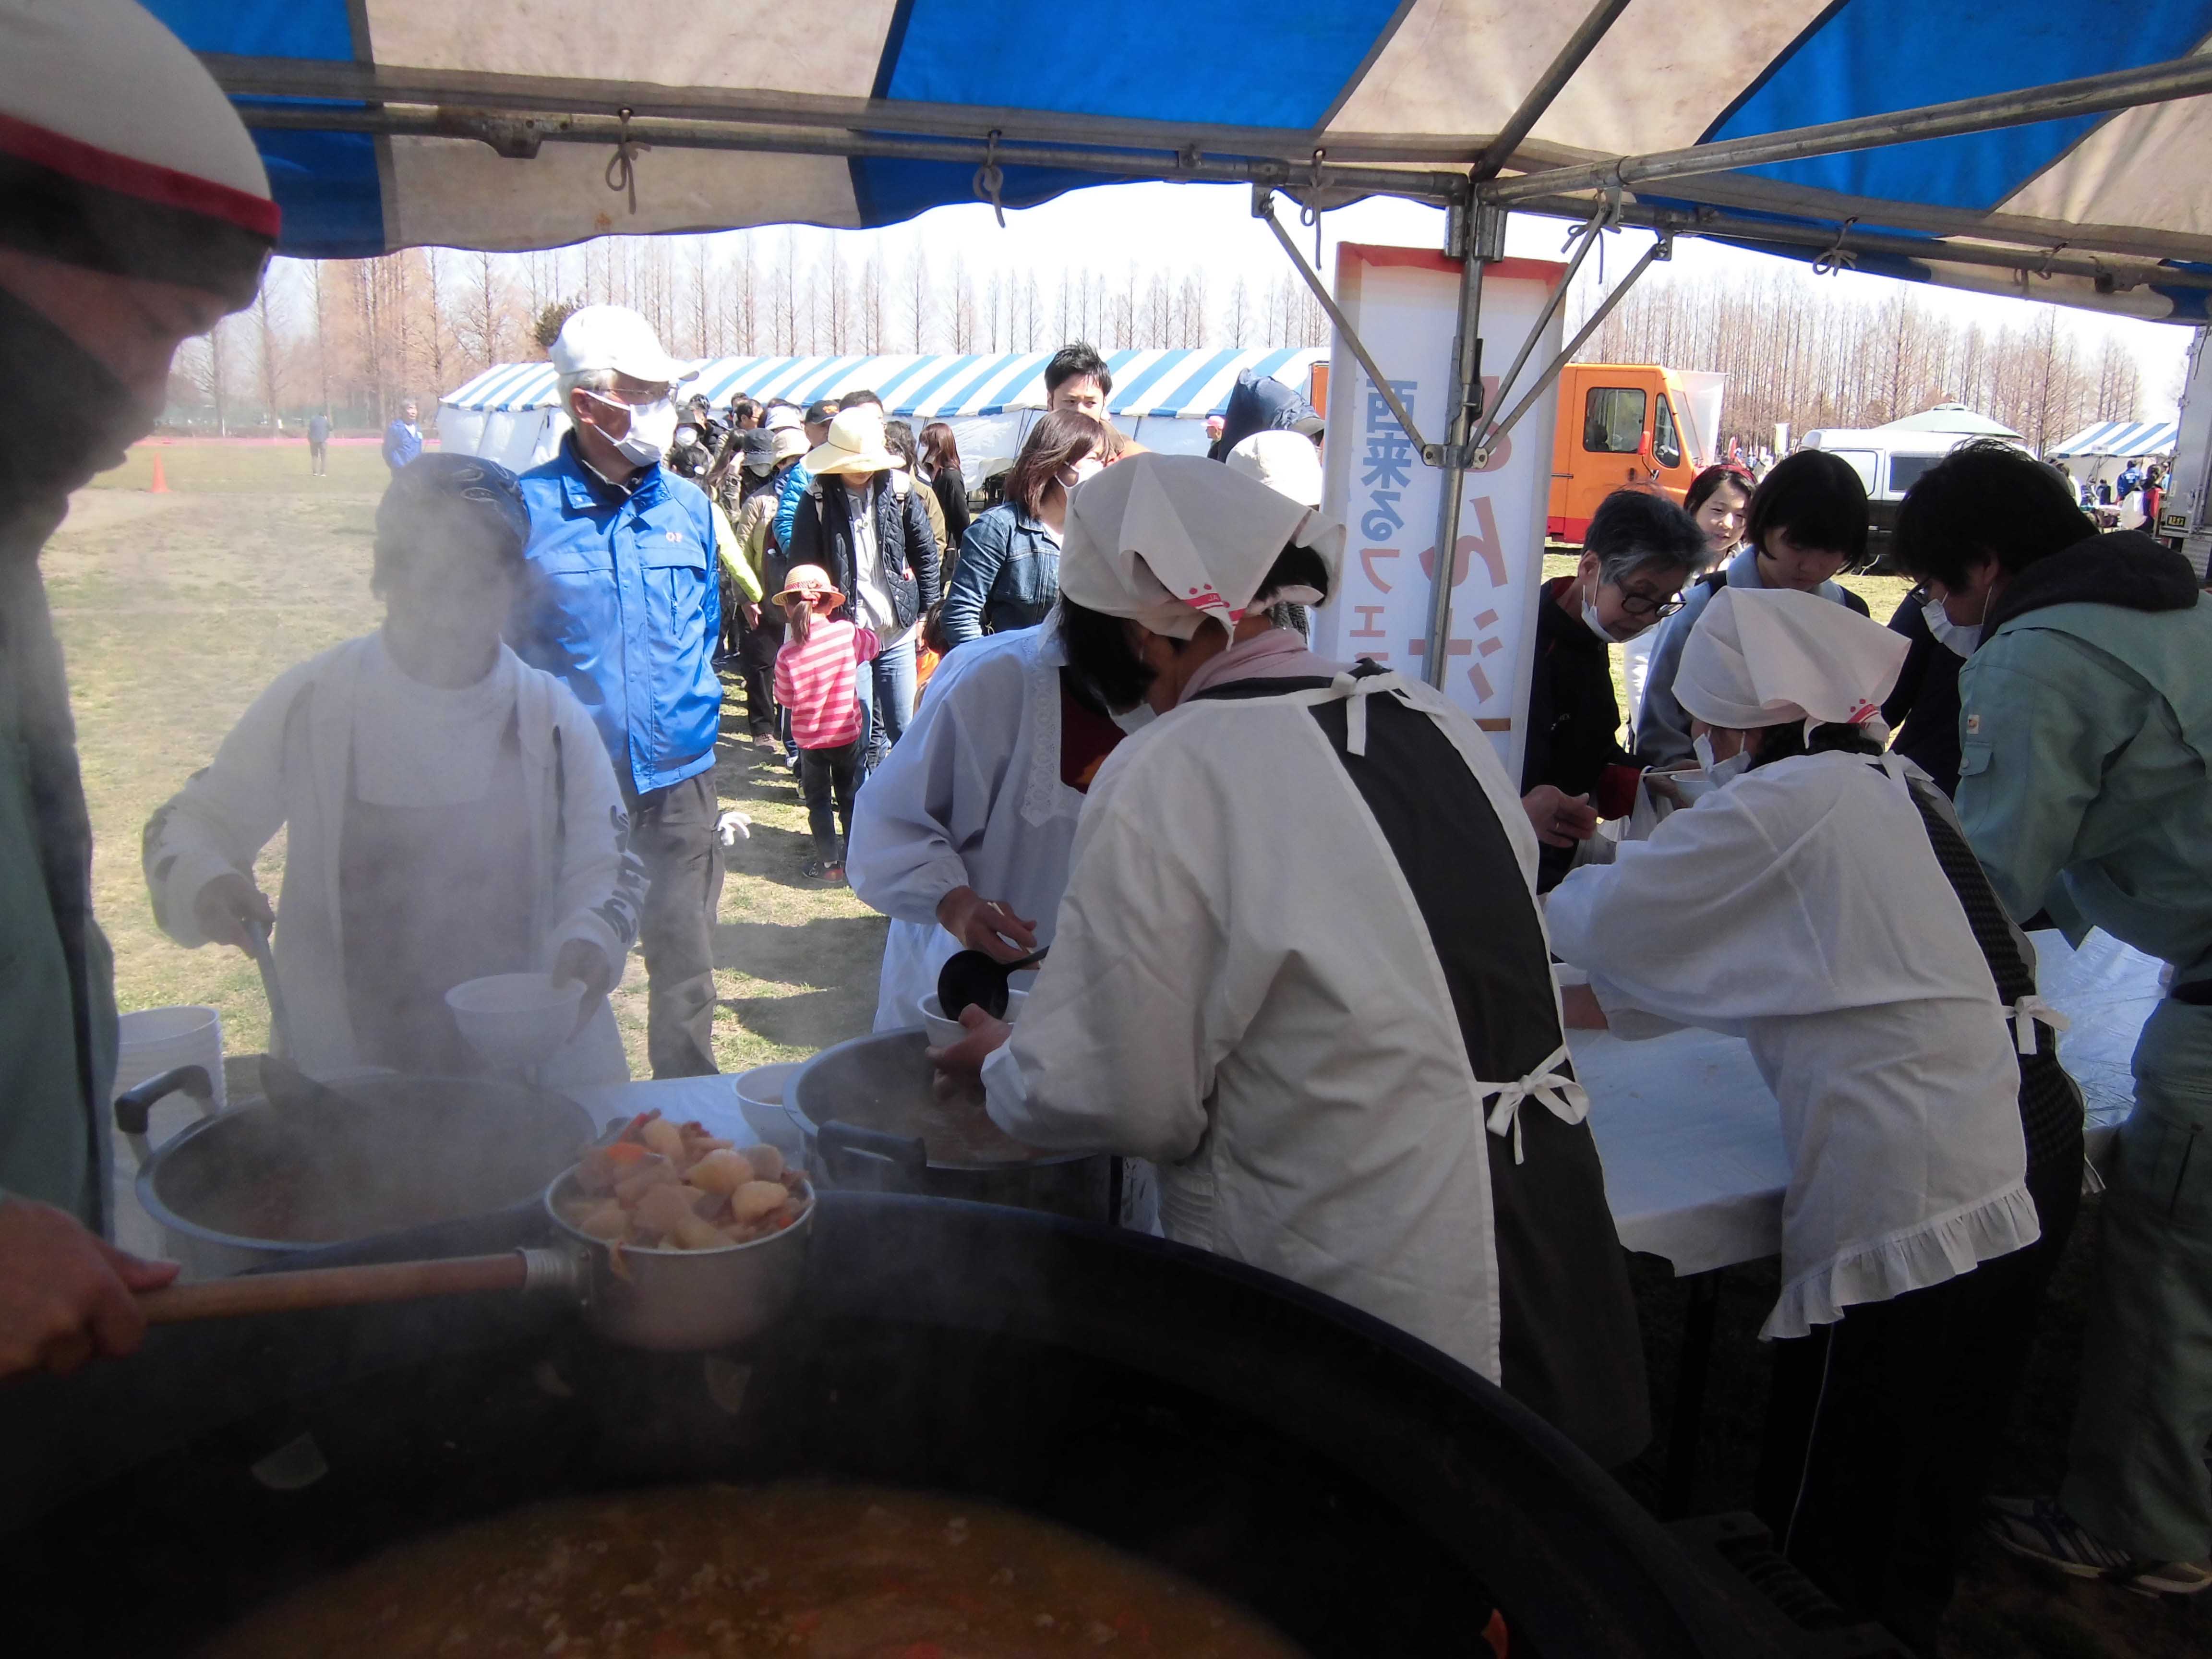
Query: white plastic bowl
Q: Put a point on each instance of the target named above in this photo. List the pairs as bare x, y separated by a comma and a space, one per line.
154, 1039
760, 1096
514, 1021
943, 1031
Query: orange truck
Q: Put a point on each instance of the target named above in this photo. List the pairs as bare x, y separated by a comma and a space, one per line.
1636, 425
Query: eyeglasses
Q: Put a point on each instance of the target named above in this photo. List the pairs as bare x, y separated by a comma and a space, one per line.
1642, 605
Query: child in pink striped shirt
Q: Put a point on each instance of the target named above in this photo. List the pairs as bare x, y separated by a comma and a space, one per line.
815, 675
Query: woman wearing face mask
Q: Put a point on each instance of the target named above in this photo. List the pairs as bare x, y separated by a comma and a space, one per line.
449, 813
1808, 524
1009, 572
862, 520
1639, 550
1300, 965
1824, 906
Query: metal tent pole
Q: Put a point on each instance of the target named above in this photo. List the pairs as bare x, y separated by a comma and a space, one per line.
1482, 239
2095, 95
1577, 47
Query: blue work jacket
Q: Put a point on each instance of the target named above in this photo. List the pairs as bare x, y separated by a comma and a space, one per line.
620, 599
402, 444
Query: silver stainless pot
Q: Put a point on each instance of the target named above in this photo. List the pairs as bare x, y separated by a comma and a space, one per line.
873, 1122
250, 1187
687, 1301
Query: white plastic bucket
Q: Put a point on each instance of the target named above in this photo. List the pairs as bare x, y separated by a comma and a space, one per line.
154, 1039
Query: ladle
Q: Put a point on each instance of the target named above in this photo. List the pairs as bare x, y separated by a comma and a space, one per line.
979, 977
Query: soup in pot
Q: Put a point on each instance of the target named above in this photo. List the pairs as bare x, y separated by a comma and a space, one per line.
809, 1570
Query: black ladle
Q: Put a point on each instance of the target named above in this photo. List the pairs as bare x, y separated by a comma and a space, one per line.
979, 977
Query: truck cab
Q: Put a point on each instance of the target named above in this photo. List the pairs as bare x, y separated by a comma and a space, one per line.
1635, 426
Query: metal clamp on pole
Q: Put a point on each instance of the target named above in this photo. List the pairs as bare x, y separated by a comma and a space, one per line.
1263, 207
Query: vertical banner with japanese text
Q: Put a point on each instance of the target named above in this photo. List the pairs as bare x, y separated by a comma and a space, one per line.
1404, 302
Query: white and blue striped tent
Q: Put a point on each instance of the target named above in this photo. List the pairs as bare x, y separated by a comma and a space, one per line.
2120, 440
2025, 145
510, 412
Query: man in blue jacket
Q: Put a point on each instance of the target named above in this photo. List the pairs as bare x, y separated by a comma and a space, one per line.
402, 439
621, 599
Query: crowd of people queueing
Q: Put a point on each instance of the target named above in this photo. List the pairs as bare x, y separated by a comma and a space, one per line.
1303, 933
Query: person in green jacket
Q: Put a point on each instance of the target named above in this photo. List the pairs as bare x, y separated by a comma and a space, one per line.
136, 214
2085, 789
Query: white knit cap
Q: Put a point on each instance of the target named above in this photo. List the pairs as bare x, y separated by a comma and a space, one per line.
120, 154
1169, 541
1763, 656
1286, 462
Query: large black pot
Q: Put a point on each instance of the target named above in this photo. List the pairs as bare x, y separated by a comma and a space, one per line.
1368, 1495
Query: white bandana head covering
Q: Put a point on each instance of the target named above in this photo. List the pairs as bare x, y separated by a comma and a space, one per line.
1169, 541
1768, 656
1286, 462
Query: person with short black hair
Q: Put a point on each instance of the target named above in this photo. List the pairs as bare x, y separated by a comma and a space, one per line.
1806, 525
1299, 963
1639, 549
2085, 788
1009, 572
1077, 380
450, 812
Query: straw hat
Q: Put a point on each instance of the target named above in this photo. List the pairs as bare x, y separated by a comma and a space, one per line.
806, 581
855, 444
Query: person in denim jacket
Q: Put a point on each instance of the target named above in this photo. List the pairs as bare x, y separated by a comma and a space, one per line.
1009, 572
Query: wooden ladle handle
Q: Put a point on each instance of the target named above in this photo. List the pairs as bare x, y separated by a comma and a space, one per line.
335, 1287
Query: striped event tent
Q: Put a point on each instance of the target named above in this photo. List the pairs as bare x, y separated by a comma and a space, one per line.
1160, 397
2019, 145
2120, 440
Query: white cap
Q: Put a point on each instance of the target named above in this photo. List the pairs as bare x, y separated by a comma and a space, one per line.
615, 338
1172, 541
1762, 656
1285, 461
784, 417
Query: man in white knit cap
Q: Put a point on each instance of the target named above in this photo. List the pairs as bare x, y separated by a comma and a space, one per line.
134, 214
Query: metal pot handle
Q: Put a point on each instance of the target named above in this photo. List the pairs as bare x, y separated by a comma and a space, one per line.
870, 1160
132, 1105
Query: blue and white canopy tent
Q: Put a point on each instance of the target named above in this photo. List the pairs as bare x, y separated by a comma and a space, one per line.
2018, 146
511, 412
2120, 440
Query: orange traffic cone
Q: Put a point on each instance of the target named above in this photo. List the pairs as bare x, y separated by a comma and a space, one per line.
160, 485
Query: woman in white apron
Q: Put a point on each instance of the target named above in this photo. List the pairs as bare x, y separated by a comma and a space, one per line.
1300, 966
1822, 905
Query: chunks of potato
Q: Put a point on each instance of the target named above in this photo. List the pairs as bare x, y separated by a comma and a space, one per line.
722, 1170
767, 1162
605, 1220
755, 1199
661, 1136
651, 1173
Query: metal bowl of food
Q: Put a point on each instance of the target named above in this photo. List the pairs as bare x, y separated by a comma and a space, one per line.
689, 1242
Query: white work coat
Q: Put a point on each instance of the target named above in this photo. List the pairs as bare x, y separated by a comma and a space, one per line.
1243, 988
1800, 907
286, 765
969, 796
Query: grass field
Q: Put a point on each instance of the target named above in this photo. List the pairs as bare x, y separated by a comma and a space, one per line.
177, 609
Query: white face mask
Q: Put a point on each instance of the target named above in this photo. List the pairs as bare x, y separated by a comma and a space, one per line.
1089, 467
651, 430
1134, 720
1590, 619
1718, 772
1960, 637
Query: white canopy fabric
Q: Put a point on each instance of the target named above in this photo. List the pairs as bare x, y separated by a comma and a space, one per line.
520, 123
1950, 417
2122, 438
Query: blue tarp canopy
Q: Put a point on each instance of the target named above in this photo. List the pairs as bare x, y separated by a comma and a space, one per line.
394, 122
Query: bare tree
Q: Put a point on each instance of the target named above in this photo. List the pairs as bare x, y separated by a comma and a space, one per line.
1239, 317
267, 346
913, 298
874, 308
963, 304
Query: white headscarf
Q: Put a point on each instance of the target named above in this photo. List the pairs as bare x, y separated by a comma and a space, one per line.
1286, 462
1768, 656
1172, 540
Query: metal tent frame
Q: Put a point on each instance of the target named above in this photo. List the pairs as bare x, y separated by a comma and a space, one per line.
515, 115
